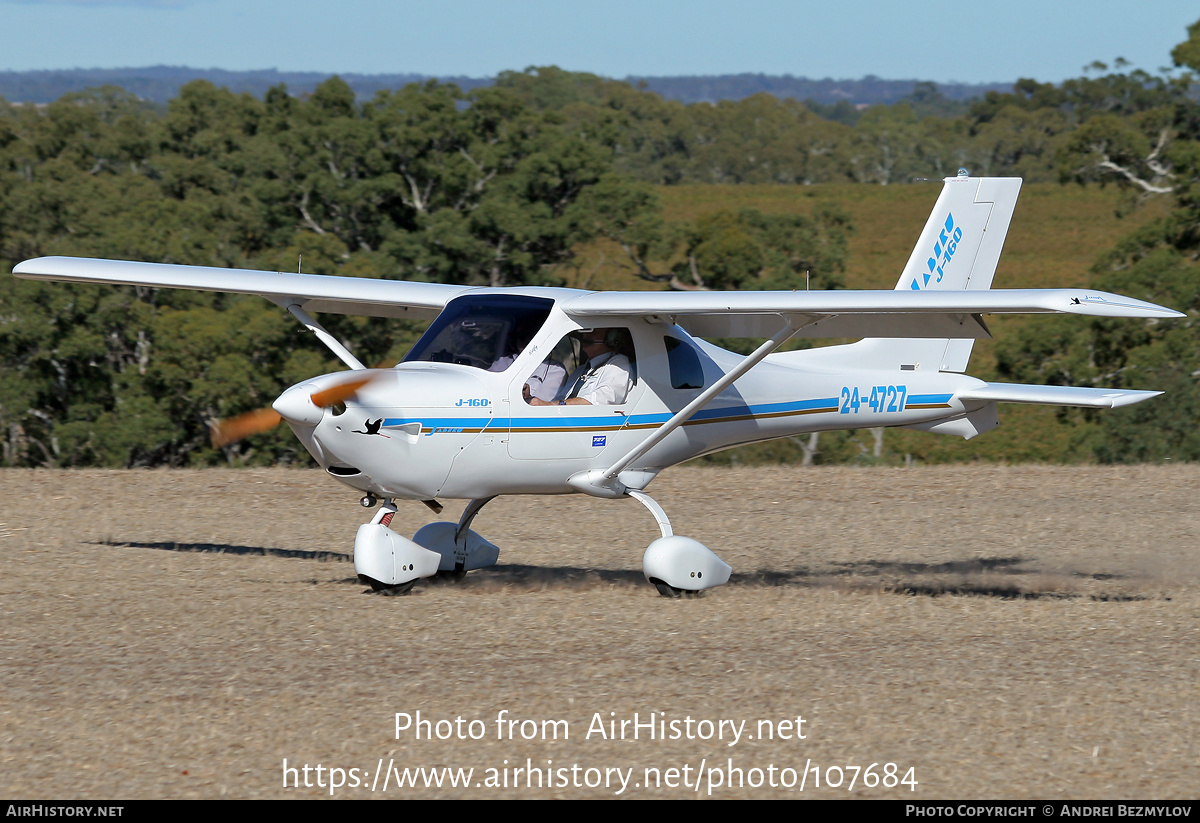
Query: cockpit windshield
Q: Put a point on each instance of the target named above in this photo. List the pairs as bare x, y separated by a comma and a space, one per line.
485, 331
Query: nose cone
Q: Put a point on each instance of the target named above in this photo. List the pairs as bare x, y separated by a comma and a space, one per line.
296, 406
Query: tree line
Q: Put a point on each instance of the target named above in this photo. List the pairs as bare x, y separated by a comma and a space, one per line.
159, 84
425, 183
503, 185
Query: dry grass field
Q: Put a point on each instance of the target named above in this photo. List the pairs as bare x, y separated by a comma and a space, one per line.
1003, 632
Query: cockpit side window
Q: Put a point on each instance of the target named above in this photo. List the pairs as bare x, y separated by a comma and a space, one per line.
485, 332
593, 366
684, 364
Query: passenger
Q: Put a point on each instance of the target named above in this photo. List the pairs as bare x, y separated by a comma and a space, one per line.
545, 383
604, 379
517, 341
546, 380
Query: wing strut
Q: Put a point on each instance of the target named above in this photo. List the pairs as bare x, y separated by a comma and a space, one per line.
331, 342
749, 362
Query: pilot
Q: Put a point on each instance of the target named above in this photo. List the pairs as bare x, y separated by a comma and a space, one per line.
604, 379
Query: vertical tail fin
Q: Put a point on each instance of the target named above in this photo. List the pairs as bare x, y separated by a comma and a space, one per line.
958, 249
961, 243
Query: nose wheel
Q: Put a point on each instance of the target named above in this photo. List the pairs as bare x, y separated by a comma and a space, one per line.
384, 590
389, 562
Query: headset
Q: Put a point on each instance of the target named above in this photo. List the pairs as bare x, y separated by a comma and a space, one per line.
613, 338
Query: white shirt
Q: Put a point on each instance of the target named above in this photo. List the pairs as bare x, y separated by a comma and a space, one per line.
608, 382
546, 381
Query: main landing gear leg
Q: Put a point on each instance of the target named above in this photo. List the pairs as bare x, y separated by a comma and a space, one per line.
460, 549
678, 565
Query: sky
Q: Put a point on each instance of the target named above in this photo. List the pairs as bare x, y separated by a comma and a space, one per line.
964, 41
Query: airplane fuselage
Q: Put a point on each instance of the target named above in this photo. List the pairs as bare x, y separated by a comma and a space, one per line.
443, 429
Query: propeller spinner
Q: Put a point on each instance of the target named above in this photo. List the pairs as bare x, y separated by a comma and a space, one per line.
297, 405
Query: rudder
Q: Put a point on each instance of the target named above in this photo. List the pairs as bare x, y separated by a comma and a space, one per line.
962, 240
959, 248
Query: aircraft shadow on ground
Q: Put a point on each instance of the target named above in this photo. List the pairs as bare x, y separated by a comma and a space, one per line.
980, 576
226, 548
954, 577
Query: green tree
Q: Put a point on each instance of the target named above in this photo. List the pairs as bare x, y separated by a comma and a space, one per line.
422, 183
1143, 134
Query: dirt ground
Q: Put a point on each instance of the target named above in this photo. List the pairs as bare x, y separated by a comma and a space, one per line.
980, 632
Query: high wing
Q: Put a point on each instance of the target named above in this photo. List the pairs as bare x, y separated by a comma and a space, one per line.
891, 313
309, 292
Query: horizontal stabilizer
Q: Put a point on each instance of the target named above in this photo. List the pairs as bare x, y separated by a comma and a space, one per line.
1057, 395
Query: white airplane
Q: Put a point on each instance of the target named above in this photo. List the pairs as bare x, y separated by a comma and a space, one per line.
555, 391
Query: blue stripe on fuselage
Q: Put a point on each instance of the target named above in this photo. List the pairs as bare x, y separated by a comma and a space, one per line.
615, 421
926, 399
732, 412
440, 422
